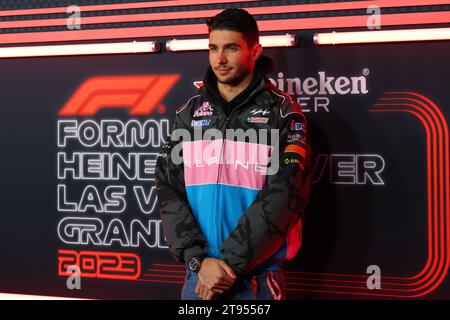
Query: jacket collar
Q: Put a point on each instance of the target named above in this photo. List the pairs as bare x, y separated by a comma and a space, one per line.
264, 65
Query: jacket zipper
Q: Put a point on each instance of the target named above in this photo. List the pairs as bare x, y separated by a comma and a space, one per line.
221, 149
219, 168
227, 120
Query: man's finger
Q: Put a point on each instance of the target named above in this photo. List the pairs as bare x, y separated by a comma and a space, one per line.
217, 290
219, 287
224, 281
202, 292
205, 292
197, 287
208, 282
210, 295
228, 269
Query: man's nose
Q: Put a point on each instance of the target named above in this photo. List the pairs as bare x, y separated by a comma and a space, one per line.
221, 57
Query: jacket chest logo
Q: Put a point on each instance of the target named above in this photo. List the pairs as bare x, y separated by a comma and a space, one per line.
257, 119
204, 110
255, 112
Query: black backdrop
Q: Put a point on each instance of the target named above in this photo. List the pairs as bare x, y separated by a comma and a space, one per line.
354, 220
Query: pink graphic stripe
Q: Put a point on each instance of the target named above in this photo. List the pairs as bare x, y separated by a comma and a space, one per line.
201, 161
242, 164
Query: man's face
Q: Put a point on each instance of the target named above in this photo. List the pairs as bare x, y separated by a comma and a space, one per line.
229, 56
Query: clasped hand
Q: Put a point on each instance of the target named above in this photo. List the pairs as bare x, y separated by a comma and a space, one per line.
214, 277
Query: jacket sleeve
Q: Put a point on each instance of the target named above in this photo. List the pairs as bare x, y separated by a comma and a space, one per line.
263, 227
182, 232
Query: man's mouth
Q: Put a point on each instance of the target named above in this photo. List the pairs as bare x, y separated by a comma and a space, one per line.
223, 70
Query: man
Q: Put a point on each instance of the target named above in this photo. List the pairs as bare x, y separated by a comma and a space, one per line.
234, 222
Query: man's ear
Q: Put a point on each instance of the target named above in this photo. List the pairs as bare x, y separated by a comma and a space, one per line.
256, 52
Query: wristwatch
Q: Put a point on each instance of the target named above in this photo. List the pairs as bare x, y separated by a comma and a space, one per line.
195, 262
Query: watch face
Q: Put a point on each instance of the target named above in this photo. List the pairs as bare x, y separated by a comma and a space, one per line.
194, 265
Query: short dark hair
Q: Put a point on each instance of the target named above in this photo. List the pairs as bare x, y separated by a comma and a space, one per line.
236, 20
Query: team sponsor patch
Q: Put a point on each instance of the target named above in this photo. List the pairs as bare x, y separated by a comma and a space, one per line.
296, 161
258, 111
200, 123
293, 137
287, 161
296, 126
295, 149
205, 109
257, 119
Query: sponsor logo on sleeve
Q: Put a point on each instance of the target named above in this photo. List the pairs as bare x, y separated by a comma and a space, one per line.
295, 161
293, 137
293, 148
296, 126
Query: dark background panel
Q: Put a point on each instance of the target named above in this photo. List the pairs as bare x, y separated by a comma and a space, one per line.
347, 227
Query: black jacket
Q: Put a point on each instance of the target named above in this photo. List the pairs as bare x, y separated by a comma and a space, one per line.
222, 202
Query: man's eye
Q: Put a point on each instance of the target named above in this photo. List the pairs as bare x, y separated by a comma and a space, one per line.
213, 49
233, 49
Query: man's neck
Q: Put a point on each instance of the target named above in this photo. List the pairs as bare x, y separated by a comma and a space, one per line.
229, 92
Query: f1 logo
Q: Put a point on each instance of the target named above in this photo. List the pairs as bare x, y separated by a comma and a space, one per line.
140, 94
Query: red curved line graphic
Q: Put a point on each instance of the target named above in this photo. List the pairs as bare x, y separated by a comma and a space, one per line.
166, 270
435, 187
170, 265
436, 274
435, 222
348, 293
164, 276
432, 272
444, 198
446, 211
380, 292
159, 281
